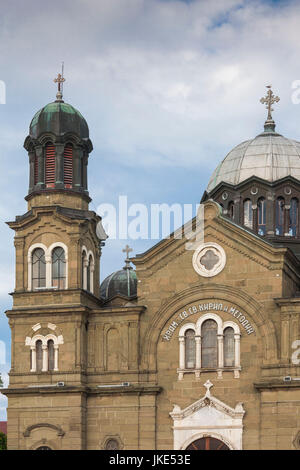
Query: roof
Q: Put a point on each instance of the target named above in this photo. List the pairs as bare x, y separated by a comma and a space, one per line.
269, 156
59, 118
122, 282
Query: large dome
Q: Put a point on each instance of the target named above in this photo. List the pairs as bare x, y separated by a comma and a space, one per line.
269, 156
58, 118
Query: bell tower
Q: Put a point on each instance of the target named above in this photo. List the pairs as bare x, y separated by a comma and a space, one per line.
57, 278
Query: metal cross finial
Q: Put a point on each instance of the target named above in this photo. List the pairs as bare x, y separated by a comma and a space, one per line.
268, 101
60, 80
127, 250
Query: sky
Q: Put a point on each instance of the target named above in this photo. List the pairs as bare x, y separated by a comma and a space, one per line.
168, 88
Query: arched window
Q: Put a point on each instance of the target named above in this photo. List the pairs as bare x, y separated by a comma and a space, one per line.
231, 210
209, 344
50, 166
279, 229
248, 214
190, 349
58, 268
229, 347
68, 166
293, 228
38, 269
51, 363
39, 355
261, 216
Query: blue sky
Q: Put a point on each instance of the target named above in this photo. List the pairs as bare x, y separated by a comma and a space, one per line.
167, 87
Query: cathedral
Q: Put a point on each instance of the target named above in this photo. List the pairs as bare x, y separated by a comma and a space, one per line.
193, 344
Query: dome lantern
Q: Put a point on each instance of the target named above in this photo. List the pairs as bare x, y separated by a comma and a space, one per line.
58, 146
258, 183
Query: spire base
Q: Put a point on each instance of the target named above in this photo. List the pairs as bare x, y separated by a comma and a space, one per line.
269, 126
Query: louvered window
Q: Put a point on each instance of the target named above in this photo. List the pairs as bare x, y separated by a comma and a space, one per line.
68, 166
50, 166
36, 169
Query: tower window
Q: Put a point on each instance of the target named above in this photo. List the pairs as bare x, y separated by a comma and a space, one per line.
50, 166
39, 355
279, 216
190, 349
261, 216
231, 210
229, 347
248, 214
58, 268
293, 229
209, 344
68, 166
38, 268
50, 345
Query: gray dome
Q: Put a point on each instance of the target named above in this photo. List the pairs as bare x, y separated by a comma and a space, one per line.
122, 282
269, 156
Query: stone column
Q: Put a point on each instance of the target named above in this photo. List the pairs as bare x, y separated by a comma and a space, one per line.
255, 221
31, 155
270, 222
198, 356
33, 359
59, 165
181, 353
45, 358
220, 355
286, 220
84, 172
56, 357
41, 166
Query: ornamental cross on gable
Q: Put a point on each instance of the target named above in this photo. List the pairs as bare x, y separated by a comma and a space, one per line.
269, 100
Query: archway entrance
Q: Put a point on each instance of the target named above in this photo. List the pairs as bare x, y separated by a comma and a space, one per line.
207, 443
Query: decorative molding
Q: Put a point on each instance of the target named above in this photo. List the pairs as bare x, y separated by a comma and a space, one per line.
28, 430
215, 262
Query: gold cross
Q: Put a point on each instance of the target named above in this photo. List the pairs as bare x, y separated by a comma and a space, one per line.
269, 100
127, 250
60, 79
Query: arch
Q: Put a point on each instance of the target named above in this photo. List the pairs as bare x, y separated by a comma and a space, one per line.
200, 292
202, 434
185, 327
208, 443
209, 316
60, 432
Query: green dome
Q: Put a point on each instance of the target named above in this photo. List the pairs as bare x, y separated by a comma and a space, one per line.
58, 118
122, 282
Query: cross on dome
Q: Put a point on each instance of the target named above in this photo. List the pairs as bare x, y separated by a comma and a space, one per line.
268, 100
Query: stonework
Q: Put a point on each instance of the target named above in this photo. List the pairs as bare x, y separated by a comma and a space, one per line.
119, 378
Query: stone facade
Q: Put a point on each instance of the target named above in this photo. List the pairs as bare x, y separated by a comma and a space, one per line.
107, 345
90, 374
